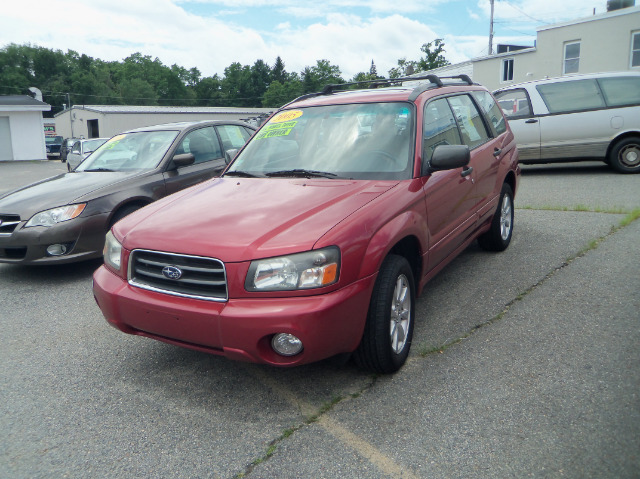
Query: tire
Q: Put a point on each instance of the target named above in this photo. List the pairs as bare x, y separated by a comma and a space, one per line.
386, 340
499, 235
624, 157
122, 212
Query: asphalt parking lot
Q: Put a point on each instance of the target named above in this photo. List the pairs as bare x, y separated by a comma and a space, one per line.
524, 364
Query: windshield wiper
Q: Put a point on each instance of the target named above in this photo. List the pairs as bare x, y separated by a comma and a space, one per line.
99, 169
299, 172
243, 174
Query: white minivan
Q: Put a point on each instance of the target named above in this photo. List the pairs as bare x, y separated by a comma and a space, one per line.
577, 117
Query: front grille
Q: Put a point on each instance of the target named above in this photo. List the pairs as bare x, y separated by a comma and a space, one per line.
202, 278
13, 253
8, 223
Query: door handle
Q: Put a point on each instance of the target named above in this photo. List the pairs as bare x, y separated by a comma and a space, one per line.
531, 120
497, 151
466, 171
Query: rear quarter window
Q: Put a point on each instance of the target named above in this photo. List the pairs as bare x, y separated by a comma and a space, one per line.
568, 96
621, 91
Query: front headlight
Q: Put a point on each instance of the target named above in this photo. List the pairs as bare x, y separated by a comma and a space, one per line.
56, 215
112, 252
313, 269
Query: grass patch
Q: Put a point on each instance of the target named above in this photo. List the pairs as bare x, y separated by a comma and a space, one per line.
592, 245
326, 407
630, 218
577, 208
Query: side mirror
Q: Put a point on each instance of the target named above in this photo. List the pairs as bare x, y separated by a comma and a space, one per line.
183, 159
229, 155
448, 157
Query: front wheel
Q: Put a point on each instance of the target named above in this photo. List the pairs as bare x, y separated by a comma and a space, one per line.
624, 157
386, 341
499, 235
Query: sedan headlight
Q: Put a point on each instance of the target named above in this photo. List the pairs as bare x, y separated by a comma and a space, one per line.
313, 269
112, 252
56, 215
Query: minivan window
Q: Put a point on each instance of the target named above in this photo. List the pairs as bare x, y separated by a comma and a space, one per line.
569, 96
514, 103
621, 91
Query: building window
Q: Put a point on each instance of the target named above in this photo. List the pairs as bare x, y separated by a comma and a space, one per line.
635, 49
571, 57
507, 70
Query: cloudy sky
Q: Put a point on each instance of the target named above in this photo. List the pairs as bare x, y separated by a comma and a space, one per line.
211, 34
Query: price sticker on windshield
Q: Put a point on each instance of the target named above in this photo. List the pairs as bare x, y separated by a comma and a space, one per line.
286, 116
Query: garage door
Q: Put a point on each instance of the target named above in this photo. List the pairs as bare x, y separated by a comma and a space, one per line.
6, 151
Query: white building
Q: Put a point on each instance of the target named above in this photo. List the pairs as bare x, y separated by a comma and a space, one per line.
22, 128
601, 43
93, 121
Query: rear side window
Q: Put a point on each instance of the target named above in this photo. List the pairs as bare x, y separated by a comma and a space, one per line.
621, 91
439, 127
568, 96
203, 144
491, 109
472, 128
232, 136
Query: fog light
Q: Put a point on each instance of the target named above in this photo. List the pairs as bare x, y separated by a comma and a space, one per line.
286, 344
56, 249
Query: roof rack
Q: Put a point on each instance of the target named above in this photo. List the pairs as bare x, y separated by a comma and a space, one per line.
435, 82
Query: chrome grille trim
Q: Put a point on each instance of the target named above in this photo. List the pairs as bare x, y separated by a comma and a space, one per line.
8, 224
202, 277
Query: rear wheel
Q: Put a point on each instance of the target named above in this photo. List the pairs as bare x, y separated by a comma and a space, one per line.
389, 328
624, 157
499, 235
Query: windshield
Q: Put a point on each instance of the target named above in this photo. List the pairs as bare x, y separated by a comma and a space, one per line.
130, 151
53, 140
361, 141
92, 145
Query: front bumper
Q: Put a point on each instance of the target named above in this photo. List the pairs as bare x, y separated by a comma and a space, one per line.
83, 237
239, 329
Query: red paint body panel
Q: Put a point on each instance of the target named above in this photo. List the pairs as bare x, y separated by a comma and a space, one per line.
327, 324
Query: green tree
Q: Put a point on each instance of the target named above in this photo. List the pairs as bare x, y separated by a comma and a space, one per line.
433, 58
323, 73
279, 94
136, 91
278, 73
209, 91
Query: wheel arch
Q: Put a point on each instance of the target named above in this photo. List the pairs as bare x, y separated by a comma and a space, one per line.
401, 236
620, 137
129, 203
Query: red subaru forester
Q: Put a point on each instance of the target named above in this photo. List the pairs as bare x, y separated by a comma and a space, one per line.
323, 230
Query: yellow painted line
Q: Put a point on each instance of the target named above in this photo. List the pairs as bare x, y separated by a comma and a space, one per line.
384, 463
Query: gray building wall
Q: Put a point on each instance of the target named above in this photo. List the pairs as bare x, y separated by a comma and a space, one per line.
605, 45
111, 120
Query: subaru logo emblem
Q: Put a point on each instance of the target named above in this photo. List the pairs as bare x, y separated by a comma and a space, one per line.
171, 272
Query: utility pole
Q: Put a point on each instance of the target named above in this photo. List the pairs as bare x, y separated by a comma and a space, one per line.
491, 30
70, 114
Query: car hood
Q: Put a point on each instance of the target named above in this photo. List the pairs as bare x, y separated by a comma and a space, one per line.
57, 191
242, 219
